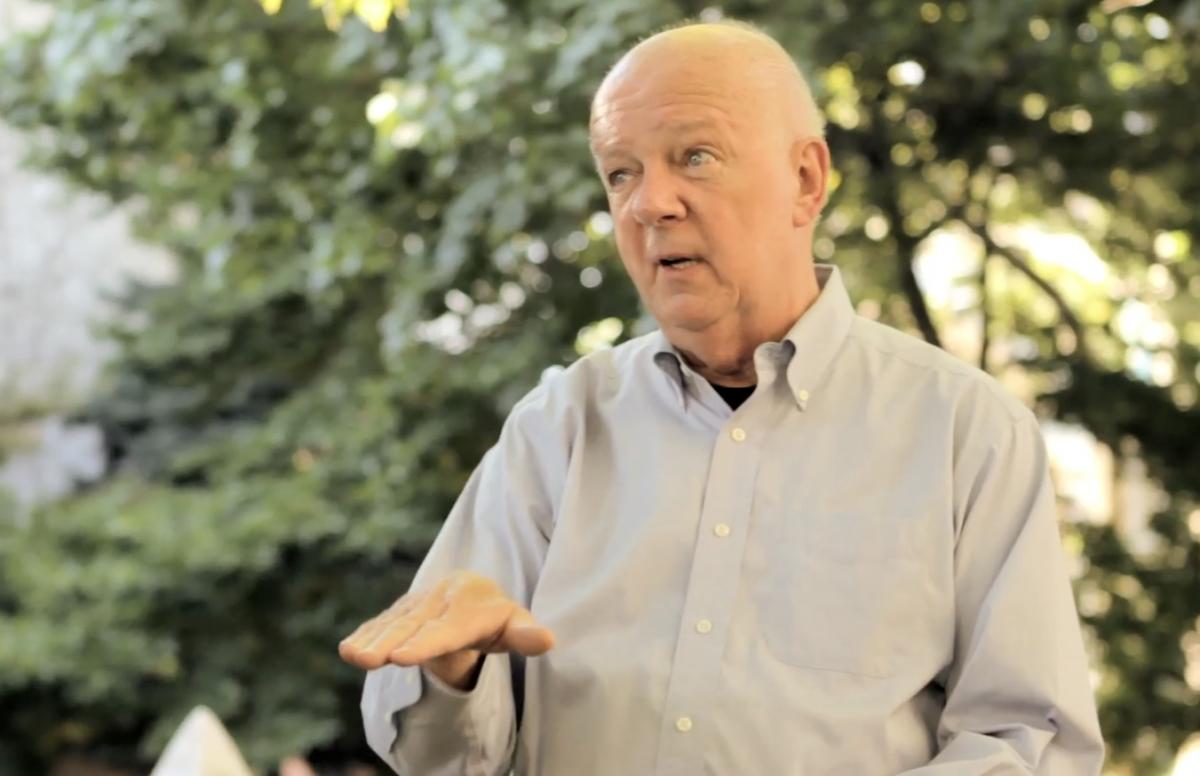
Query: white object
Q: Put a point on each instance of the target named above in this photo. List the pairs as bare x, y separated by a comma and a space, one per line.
201, 747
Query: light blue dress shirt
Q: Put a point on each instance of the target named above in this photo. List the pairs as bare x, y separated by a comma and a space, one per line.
856, 573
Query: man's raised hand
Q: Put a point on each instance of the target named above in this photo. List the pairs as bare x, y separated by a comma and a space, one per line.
447, 628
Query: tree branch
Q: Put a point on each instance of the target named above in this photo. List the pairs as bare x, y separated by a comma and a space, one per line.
1008, 254
904, 261
985, 325
916, 300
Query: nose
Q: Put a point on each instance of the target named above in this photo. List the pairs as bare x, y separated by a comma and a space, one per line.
656, 200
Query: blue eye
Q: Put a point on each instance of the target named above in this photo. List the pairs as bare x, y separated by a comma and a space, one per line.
617, 177
697, 157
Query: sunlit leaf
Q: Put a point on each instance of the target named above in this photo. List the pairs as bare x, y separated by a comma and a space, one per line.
386, 237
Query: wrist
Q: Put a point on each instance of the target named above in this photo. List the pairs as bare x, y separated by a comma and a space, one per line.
459, 669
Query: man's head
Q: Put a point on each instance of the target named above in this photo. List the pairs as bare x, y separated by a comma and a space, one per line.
712, 152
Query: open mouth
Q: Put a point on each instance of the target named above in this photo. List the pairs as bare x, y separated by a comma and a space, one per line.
678, 262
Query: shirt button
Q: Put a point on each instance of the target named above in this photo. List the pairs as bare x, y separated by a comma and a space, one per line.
721, 529
683, 724
704, 626
738, 434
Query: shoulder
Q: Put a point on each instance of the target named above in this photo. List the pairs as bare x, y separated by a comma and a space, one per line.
898, 362
592, 373
564, 392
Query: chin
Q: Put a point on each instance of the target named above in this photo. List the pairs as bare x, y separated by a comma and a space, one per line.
685, 317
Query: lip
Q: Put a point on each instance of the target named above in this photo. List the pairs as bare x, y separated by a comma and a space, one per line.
658, 258
678, 269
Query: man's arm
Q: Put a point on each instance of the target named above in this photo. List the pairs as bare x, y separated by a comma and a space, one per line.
1018, 695
419, 725
415, 719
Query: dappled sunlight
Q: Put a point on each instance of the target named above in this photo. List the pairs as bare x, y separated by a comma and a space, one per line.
381, 226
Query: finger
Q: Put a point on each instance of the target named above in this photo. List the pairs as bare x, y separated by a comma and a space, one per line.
432, 638
366, 633
357, 647
397, 627
457, 627
401, 625
524, 635
352, 646
370, 648
380, 650
499, 627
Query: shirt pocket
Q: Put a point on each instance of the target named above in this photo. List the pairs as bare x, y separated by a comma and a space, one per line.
841, 594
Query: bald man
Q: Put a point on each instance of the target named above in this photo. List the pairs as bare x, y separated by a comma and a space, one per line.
770, 538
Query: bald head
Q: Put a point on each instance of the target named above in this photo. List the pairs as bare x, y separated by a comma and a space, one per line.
729, 55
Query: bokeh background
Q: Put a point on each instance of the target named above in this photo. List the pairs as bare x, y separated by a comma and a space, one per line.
271, 275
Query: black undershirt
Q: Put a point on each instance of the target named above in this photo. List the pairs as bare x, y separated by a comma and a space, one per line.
733, 396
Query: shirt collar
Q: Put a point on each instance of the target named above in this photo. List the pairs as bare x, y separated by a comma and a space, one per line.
807, 351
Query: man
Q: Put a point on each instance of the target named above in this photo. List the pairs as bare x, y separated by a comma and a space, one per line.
772, 538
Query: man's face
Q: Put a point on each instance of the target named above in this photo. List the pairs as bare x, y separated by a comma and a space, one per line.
700, 190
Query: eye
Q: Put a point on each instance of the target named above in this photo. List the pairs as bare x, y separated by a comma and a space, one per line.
698, 157
616, 177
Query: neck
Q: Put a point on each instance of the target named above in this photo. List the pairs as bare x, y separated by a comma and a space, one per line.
723, 352
726, 359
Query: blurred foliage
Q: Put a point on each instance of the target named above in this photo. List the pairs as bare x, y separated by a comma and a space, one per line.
387, 235
375, 13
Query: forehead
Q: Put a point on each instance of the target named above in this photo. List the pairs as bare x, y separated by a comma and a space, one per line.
645, 96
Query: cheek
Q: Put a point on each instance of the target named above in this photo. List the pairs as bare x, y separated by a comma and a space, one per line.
629, 243
763, 215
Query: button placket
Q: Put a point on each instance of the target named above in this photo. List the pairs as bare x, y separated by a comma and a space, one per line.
712, 584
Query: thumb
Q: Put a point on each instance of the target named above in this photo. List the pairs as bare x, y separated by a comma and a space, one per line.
525, 636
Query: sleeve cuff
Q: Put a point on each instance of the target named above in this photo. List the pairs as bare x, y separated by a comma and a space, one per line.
413, 719
431, 685
387, 692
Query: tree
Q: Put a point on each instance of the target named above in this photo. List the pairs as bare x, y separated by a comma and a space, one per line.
388, 235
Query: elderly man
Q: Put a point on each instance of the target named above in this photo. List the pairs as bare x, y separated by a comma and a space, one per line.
773, 537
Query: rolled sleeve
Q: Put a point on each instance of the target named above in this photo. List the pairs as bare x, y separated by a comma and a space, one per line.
421, 726
499, 528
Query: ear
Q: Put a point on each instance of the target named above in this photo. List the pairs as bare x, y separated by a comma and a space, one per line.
810, 165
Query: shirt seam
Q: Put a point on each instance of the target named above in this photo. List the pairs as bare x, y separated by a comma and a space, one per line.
960, 371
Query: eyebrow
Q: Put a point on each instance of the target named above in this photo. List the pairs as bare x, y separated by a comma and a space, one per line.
674, 126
